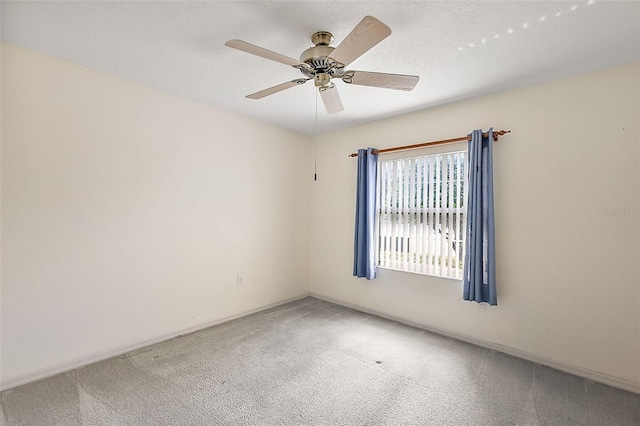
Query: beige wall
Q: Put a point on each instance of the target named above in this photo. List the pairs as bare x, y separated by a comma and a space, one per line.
127, 214
568, 274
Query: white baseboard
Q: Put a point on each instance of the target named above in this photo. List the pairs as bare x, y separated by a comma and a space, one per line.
567, 368
110, 353
102, 355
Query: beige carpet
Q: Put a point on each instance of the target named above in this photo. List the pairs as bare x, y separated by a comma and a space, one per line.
315, 363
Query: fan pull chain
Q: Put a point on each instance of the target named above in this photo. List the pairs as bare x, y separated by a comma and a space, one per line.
315, 143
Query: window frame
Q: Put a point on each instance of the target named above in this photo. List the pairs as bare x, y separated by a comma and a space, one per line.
453, 214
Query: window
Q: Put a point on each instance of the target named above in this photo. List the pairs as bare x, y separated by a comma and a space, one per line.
420, 221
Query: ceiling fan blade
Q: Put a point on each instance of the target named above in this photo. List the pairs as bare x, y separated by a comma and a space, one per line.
265, 53
331, 99
379, 79
275, 89
363, 37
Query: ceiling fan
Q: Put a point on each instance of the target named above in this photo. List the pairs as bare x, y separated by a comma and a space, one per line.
323, 63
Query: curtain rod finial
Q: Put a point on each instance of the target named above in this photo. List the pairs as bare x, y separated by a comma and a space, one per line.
499, 133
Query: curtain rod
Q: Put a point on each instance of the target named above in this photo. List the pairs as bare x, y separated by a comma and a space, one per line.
444, 141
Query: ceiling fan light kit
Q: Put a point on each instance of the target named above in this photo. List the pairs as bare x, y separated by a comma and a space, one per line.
322, 63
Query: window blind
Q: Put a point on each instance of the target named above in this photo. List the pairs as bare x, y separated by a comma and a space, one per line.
420, 219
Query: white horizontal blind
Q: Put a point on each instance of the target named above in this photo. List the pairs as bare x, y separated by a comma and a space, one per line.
420, 221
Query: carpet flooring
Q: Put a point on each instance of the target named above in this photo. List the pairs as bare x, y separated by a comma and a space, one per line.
311, 362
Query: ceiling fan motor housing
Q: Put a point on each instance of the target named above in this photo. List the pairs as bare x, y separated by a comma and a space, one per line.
318, 57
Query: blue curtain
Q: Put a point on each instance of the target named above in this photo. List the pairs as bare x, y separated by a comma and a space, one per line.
480, 257
364, 244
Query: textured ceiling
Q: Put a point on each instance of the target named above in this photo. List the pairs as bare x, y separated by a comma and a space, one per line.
459, 49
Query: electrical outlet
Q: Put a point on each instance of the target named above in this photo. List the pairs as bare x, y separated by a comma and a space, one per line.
239, 280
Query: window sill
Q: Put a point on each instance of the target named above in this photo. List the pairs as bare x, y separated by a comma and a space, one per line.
419, 273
